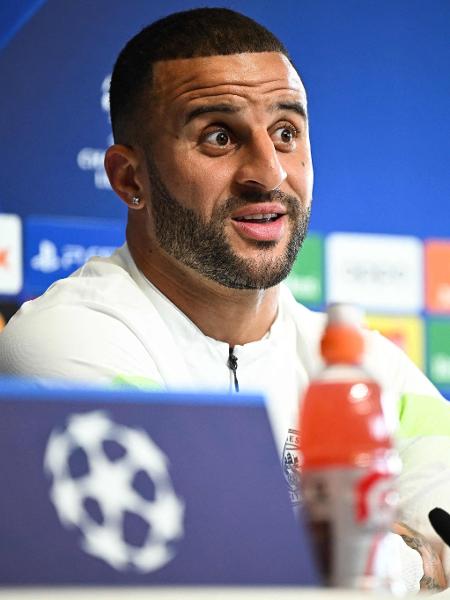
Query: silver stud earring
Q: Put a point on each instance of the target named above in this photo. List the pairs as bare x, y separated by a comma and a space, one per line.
135, 200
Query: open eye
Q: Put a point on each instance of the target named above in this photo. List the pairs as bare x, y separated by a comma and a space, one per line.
220, 138
285, 136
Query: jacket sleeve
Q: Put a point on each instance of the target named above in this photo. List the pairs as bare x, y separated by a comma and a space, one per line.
421, 419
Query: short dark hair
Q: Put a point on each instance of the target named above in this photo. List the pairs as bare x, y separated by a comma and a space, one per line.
186, 34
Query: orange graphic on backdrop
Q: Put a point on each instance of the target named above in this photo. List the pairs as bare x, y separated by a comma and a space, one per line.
405, 331
4, 258
437, 276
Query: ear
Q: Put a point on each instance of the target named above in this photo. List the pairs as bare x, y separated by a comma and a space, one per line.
122, 166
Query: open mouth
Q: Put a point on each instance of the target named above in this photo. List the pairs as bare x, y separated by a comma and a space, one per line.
258, 218
261, 226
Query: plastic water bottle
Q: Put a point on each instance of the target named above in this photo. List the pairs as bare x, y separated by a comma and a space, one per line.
349, 463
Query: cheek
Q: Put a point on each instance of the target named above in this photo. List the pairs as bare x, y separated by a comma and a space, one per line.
309, 176
197, 185
300, 175
177, 176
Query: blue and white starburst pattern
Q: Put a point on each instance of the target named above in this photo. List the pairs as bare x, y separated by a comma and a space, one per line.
106, 476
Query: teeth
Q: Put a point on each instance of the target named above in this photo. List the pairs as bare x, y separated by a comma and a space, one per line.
259, 217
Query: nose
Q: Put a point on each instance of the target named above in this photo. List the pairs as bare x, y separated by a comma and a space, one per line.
260, 166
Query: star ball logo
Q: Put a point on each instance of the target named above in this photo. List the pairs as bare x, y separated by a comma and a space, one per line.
91, 159
112, 484
11, 278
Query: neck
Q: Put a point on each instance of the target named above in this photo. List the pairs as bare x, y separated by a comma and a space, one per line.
233, 316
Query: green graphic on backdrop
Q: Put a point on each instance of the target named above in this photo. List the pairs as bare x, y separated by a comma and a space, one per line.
439, 351
306, 277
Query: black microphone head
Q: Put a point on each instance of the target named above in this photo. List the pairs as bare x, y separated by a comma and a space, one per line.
440, 520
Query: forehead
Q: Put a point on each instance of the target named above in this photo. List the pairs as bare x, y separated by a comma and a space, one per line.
246, 76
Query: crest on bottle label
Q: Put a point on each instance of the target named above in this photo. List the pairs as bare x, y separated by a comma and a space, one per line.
292, 464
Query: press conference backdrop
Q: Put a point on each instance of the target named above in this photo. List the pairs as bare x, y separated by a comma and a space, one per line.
378, 78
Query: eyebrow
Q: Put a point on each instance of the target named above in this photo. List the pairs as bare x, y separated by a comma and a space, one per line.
210, 108
294, 106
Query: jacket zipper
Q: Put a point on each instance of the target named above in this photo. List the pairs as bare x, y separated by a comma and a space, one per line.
232, 365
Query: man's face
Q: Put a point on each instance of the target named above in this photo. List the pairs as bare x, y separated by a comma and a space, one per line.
229, 166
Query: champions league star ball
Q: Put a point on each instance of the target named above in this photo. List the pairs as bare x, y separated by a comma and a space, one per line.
112, 483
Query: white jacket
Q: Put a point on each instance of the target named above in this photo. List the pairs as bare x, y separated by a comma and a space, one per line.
107, 323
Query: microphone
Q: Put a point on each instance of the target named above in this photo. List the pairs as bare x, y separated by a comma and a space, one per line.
440, 520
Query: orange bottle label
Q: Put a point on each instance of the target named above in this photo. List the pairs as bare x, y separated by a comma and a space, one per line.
342, 423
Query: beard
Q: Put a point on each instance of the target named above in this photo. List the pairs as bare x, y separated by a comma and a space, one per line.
202, 245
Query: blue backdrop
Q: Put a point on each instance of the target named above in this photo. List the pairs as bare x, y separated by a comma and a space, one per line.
378, 78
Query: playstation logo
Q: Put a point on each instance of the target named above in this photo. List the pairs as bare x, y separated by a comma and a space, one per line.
47, 259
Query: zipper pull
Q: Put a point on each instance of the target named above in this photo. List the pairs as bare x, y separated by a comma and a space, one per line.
232, 365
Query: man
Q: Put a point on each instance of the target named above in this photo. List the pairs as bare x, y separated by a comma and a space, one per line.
212, 158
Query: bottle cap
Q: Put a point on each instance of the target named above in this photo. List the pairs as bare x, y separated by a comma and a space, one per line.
342, 341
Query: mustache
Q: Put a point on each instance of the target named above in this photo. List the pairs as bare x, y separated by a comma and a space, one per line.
289, 202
